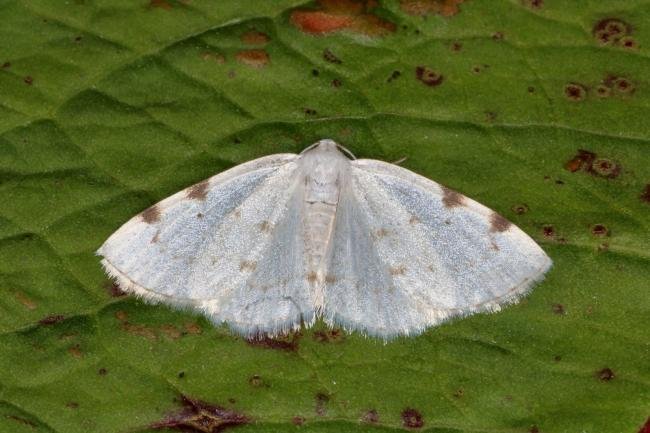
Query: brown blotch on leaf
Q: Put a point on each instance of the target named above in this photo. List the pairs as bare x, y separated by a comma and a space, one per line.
287, 342
198, 191
370, 417
114, 289
628, 42
411, 418
162, 4
498, 223
338, 15
139, 330
575, 91
253, 58
645, 194
256, 381
52, 319
331, 57
72, 405
428, 76
329, 336
589, 162
533, 429
254, 37
398, 270
102, 371
599, 230
321, 403
533, 4
6, 65
498, 36
24, 421
337, 83
297, 420
548, 231
28, 80
459, 393
623, 85
603, 91
193, 328
199, 416
446, 8
451, 198
247, 265
456, 46
558, 309
75, 351
151, 215
606, 374
26, 301
309, 111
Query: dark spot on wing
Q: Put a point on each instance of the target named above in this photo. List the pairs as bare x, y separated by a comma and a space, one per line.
575, 91
199, 215
52, 319
451, 198
151, 215
330, 279
411, 418
198, 191
265, 226
645, 194
446, 8
398, 270
606, 374
428, 76
297, 420
599, 230
312, 277
199, 416
247, 265
370, 417
322, 400
156, 237
498, 223
287, 342
414, 219
329, 56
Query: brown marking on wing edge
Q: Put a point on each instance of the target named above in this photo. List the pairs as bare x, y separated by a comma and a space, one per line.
151, 215
247, 265
498, 223
451, 198
399, 270
198, 191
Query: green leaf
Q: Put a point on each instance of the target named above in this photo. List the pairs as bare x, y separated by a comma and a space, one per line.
538, 109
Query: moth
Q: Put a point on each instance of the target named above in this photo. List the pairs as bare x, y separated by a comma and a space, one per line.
282, 240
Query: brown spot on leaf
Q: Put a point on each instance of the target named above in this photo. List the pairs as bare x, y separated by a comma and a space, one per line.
629, 43
72, 405
329, 56
26, 301
603, 91
498, 36
297, 420
329, 336
52, 319
199, 416
589, 162
287, 342
411, 418
256, 381
337, 83
198, 191
520, 209
498, 223
309, 111
533, 429
114, 289
75, 351
322, 400
451, 198
558, 309
446, 8
394, 76
623, 85
28, 80
456, 46
253, 58
370, 417
102, 371
398, 270
548, 231
533, 4
254, 37
610, 31
170, 331
139, 330
193, 328
459, 393
645, 194
606, 374
162, 4
6, 65
338, 15
247, 265
428, 76
575, 91
599, 230
24, 421
151, 215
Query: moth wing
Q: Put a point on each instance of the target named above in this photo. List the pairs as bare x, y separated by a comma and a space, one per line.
408, 253
227, 246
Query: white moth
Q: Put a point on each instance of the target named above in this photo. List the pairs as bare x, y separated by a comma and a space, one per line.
281, 240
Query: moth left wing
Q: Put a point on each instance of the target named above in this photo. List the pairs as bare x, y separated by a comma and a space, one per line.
408, 253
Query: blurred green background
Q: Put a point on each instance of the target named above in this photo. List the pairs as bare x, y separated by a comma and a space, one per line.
536, 108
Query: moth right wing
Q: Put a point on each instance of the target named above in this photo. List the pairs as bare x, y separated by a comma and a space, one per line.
229, 246
408, 253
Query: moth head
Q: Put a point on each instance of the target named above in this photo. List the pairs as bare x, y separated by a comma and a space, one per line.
328, 146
